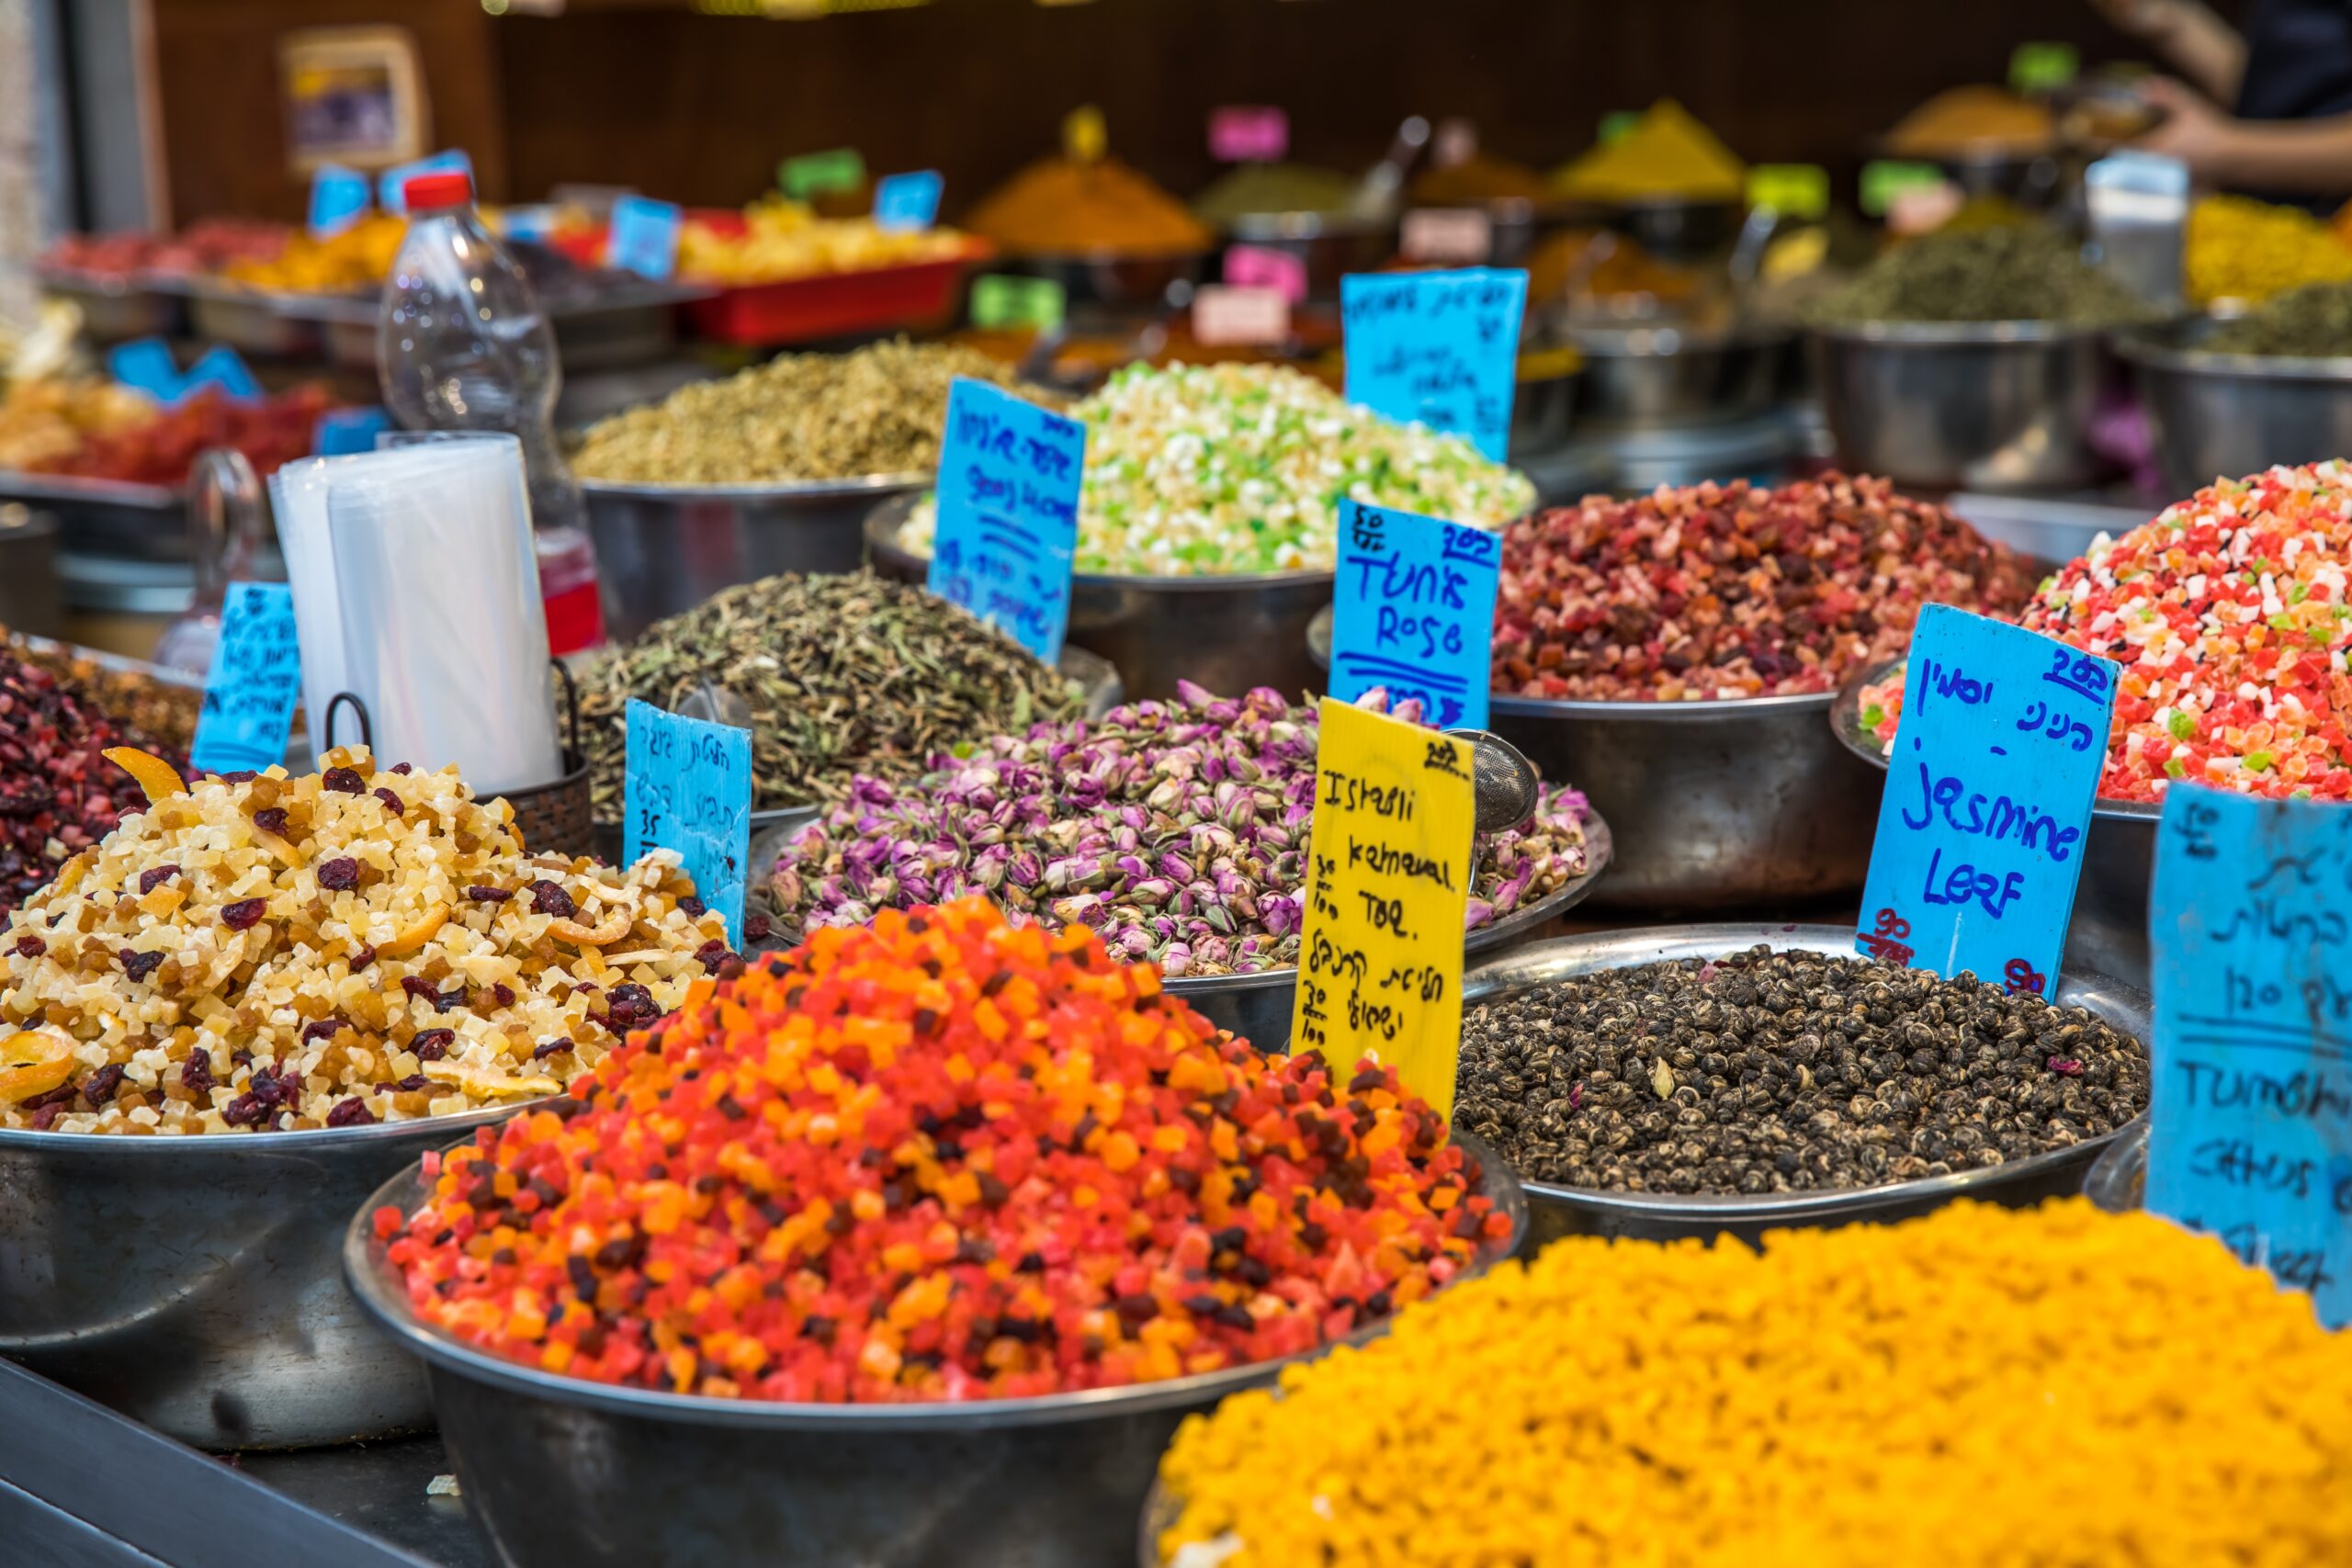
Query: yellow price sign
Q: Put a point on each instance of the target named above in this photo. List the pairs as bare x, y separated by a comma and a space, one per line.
1083, 135
1387, 886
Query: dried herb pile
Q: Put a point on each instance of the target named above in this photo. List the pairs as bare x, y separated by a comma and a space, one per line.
1985, 275
2311, 322
1769, 1072
842, 675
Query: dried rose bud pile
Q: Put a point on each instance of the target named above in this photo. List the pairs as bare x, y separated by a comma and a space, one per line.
2230, 616
276, 953
1732, 591
58, 793
940, 1157
1176, 830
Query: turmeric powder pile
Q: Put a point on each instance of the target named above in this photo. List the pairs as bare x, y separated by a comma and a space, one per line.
2052, 1388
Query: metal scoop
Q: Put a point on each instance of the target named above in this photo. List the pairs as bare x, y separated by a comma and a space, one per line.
1503, 781
715, 705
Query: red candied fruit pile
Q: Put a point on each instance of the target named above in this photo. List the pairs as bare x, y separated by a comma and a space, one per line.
1732, 591
940, 1157
58, 793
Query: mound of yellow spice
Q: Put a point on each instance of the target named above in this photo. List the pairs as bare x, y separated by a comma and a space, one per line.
2055, 1388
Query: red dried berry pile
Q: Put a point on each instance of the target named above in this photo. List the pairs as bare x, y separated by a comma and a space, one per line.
58, 793
940, 1157
1732, 591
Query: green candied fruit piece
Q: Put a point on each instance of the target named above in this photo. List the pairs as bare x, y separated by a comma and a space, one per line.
2183, 726
1872, 716
2259, 762
2176, 769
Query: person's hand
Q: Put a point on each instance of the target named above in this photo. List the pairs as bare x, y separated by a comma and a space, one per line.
2192, 129
2145, 19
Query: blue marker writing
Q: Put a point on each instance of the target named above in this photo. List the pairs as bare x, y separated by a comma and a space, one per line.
1009, 474
643, 238
1440, 348
256, 679
1414, 611
688, 788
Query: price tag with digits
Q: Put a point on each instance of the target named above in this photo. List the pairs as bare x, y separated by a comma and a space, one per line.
339, 198
1447, 236
815, 173
1989, 789
1440, 348
1262, 266
688, 788
1414, 611
146, 365
1224, 314
1387, 890
643, 238
1007, 513
256, 679
904, 203
1249, 134
2250, 1125
1002, 302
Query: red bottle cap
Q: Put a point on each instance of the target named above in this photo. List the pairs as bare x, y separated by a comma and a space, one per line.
450, 187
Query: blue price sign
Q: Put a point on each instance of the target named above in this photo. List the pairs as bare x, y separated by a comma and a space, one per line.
255, 681
1009, 474
2250, 1123
146, 365
345, 431
1438, 347
1989, 790
339, 198
220, 366
1414, 612
688, 788
907, 202
389, 182
643, 238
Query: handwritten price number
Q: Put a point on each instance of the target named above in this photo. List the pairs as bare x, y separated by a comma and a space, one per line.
1886, 942
2021, 979
2191, 827
1440, 758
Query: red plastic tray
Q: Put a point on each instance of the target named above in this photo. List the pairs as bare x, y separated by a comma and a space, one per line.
801, 310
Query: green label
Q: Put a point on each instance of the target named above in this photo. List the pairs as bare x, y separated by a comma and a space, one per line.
813, 174
1794, 190
1885, 179
2043, 67
1614, 127
1003, 303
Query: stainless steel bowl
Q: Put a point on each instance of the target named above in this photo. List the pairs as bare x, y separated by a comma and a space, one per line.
1328, 245
662, 549
107, 517
2108, 931
1258, 1006
1227, 634
116, 307
1974, 405
1663, 374
1109, 280
1676, 228
2220, 415
1570, 1211
2119, 1178
562, 1473
195, 1284
260, 323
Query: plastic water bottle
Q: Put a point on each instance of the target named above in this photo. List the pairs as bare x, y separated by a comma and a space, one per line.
462, 345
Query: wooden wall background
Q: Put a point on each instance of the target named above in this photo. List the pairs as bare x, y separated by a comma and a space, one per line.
700, 107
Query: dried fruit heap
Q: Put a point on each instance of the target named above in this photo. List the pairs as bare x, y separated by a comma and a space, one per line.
58, 793
278, 953
1731, 591
2230, 616
940, 1157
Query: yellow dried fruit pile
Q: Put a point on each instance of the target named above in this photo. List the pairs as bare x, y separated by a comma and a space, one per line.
1984, 1388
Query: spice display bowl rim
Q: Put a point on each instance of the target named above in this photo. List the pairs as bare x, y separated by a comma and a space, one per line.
1276, 224
1954, 335
1099, 255
376, 1288
1630, 340
307, 1140
787, 490
2146, 347
884, 524
1563, 958
1844, 721
24, 484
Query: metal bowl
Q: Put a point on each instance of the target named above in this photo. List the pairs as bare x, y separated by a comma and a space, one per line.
563, 1474
194, 1282
2118, 1178
1665, 374
2109, 932
662, 549
1328, 245
116, 307
107, 517
2226, 415
1542, 412
1556, 1211
265, 323
1227, 634
1676, 228
1257, 1008
1112, 279
1953, 405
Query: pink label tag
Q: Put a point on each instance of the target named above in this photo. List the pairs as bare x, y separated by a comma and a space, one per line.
1448, 234
1255, 266
1224, 315
1249, 134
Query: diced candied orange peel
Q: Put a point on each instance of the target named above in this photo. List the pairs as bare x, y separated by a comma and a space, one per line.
614, 927
151, 772
487, 1085
416, 936
33, 1061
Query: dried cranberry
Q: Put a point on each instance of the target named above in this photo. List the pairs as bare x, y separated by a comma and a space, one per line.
422, 989
712, 955
364, 957
340, 874
392, 803
342, 781
633, 1006
412, 1083
244, 1111
561, 1043
195, 1073
503, 994
489, 894
99, 1088
692, 907
151, 880
45, 1117
402, 768
271, 819
550, 899
323, 1029
755, 928
352, 1112
31, 946
431, 1045
244, 913
139, 966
